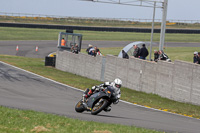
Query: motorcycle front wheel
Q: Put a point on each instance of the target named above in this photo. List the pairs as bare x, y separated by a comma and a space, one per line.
79, 107
99, 106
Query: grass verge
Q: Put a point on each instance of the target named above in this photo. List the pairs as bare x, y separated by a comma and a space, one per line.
9, 33
141, 98
18, 121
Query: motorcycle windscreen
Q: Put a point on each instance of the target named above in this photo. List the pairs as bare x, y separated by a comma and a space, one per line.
113, 92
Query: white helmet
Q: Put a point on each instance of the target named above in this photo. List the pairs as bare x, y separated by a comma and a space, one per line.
117, 83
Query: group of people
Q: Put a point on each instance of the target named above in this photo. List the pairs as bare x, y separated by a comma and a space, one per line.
196, 58
142, 53
75, 49
93, 51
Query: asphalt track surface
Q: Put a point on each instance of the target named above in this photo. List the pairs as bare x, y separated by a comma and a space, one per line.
24, 90
27, 48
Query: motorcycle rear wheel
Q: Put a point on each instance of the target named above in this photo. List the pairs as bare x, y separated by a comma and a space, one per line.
79, 107
98, 108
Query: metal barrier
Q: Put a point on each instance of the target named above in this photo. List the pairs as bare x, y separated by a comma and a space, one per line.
86, 19
87, 28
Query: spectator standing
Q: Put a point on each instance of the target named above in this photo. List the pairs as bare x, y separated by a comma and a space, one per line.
143, 52
136, 51
156, 55
124, 55
63, 42
195, 58
88, 49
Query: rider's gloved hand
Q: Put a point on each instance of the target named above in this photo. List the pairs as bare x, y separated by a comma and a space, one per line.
93, 88
90, 92
118, 96
116, 102
97, 88
84, 95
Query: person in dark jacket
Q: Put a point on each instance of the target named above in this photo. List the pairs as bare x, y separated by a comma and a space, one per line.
88, 49
143, 52
198, 58
163, 56
195, 58
92, 52
97, 51
136, 51
156, 55
124, 55
76, 49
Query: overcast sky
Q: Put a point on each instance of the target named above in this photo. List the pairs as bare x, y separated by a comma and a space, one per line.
177, 9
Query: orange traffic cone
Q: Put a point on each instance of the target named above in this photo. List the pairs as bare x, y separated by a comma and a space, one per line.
17, 48
36, 48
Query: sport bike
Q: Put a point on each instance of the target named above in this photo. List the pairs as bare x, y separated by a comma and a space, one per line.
97, 102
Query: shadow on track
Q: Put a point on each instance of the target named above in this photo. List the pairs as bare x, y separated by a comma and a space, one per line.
108, 116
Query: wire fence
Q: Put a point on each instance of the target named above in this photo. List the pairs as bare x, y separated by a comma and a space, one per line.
87, 20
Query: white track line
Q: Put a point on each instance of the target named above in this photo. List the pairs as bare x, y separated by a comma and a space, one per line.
83, 91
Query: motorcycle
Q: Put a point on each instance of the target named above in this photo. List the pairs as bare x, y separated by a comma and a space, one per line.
97, 102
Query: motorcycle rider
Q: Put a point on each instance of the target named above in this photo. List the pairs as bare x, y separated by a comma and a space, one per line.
116, 84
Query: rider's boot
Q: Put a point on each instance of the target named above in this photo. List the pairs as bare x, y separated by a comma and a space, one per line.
86, 106
85, 97
107, 109
84, 100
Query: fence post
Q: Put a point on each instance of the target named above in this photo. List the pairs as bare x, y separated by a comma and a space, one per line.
103, 68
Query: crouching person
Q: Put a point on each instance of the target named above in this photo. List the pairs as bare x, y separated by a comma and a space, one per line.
163, 56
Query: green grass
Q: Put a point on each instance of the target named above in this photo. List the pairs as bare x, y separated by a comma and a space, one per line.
18, 121
181, 53
141, 98
7, 33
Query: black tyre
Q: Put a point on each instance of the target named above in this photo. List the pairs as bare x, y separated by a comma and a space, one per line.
98, 108
79, 107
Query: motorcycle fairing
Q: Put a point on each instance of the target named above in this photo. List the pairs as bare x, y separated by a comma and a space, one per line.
93, 98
